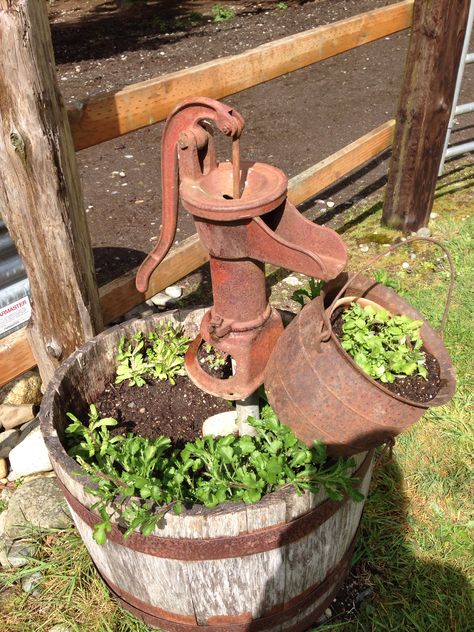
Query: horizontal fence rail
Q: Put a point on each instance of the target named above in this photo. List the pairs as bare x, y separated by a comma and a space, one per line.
120, 295
110, 115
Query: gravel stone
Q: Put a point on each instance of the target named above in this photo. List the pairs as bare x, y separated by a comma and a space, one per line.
8, 440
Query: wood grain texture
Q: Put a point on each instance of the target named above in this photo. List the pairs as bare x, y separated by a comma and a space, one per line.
243, 587
40, 193
423, 115
110, 115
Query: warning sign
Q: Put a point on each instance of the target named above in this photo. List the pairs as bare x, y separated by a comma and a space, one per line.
14, 314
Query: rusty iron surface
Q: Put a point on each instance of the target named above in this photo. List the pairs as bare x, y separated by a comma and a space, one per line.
266, 539
244, 219
322, 394
284, 613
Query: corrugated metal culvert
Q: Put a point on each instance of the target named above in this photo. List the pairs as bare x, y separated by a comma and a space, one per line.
15, 308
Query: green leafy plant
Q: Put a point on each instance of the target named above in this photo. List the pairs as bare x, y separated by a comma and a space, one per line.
383, 277
310, 291
281, 6
160, 356
384, 345
220, 13
141, 478
215, 359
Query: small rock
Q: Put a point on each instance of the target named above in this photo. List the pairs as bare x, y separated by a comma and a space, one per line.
19, 553
412, 255
60, 628
405, 265
221, 424
29, 457
24, 390
330, 204
131, 405
37, 504
174, 291
364, 248
122, 174
3, 468
424, 231
8, 440
142, 410
434, 215
162, 300
328, 612
13, 416
31, 583
25, 429
292, 280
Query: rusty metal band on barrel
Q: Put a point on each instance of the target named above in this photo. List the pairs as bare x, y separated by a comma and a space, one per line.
249, 543
173, 622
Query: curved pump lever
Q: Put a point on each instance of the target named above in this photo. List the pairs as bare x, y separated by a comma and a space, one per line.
182, 123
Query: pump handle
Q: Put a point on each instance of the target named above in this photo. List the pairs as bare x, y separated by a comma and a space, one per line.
184, 117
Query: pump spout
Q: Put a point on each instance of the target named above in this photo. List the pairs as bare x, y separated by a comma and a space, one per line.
287, 239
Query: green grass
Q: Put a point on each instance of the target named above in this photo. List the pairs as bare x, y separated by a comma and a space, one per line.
416, 541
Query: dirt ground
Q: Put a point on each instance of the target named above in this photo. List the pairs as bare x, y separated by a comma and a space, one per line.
293, 121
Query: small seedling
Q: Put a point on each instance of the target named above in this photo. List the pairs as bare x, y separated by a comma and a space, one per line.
215, 359
384, 345
159, 356
220, 13
310, 291
281, 6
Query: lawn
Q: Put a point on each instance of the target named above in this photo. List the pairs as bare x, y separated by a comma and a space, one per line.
416, 542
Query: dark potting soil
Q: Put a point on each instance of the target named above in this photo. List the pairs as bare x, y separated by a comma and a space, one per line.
159, 408
413, 387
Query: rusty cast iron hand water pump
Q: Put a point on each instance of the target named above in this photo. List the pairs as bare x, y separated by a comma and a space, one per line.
244, 219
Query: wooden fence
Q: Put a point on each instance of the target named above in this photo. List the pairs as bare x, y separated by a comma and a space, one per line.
111, 115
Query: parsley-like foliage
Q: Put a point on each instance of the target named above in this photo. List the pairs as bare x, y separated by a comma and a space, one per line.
386, 346
140, 479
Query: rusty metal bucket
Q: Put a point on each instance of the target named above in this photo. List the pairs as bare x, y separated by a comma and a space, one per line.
323, 394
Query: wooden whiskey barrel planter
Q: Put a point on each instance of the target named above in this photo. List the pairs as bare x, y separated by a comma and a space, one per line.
274, 565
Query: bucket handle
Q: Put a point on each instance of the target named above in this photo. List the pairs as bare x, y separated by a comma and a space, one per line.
327, 313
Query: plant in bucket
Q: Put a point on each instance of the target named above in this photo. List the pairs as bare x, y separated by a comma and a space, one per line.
248, 531
372, 364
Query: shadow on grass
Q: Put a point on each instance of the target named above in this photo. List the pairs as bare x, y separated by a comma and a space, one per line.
411, 592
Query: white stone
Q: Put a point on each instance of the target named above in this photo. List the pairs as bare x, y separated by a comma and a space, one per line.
424, 231
292, 280
364, 248
29, 457
162, 300
8, 440
328, 612
433, 215
13, 416
330, 204
221, 424
19, 553
405, 265
174, 291
60, 628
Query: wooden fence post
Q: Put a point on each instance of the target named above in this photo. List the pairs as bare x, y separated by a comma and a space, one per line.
425, 104
40, 193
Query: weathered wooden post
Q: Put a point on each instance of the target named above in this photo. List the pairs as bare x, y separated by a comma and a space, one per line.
425, 105
40, 193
